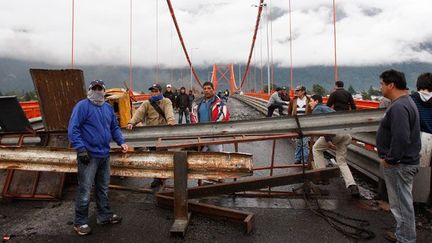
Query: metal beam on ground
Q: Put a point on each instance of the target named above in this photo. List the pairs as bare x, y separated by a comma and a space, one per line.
249, 184
135, 164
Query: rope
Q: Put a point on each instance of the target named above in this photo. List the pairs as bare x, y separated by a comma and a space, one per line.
182, 42
260, 7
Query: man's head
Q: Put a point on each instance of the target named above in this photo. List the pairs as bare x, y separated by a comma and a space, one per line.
97, 85
424, 82
208, 90
392, 82
315, 100
168, 87
183, 90
279, 90
339, 84
155, 90
284, 90
190, 92
300, 91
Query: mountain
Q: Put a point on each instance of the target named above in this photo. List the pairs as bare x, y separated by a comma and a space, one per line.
15, 76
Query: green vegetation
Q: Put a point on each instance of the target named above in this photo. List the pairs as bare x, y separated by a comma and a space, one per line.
318, 89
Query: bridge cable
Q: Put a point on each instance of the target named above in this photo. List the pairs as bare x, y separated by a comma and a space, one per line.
336, 69
130, 48
290, 54
260, 7
182, 42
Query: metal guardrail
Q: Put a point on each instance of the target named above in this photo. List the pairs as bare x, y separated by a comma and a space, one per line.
365, 161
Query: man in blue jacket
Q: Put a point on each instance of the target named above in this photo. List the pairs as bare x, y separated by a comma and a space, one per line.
92, 125
398, 143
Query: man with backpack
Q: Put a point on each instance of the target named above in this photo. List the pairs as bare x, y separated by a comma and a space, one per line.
158, 110
210, 108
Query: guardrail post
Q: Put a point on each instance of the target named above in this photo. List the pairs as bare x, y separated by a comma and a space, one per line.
181, 215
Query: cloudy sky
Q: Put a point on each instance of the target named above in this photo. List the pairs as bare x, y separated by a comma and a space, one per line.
219, 31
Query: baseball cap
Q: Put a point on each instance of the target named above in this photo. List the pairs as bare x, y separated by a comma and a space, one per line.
168, 85
155, 86
96, 83
300, 87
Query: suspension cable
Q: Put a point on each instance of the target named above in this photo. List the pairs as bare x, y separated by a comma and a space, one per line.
157, 42
182, 42
336, 69
73, 35
260, 7
291, 55
130, 47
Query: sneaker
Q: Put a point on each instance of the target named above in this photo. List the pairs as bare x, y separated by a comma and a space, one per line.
354, 191
298, 162
114, 219
82, 229
390, 236
156, 183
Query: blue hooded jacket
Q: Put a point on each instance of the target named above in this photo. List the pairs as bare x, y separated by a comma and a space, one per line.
92, 127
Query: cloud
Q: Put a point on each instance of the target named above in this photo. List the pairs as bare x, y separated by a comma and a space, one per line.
220, 31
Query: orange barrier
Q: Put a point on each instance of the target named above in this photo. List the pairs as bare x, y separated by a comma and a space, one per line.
141, 97
31, 109
361, 104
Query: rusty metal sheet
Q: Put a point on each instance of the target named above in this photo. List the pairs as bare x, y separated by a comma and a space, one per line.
58, 92
12, 116
135, 164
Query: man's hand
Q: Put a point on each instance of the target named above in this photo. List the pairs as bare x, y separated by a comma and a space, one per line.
124, 147
331, 145
129, 126
83, 157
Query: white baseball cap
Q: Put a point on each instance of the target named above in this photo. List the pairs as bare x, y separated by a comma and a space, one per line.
168, 85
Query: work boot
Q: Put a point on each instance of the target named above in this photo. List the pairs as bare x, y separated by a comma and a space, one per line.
82, 229
298, 162
114, 219
157, 182
390, 236
354, 191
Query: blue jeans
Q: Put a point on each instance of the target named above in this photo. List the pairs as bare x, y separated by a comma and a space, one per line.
298, 150
186, 114
96, 172
399, 182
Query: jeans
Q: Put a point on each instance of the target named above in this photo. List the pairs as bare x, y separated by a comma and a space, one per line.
298, 150
341, 141
96, 172
399, 182
271, 109
186, 113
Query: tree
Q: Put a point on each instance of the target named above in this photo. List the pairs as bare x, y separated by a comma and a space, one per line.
365, 95
351, 90
374, 92
319, 90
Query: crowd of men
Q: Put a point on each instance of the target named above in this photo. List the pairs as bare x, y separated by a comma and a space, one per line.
93, 125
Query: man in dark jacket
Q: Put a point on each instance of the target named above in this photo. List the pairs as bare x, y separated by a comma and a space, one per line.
340, 99
398, 143
92, 125
169, 94
423, 100
191, 100
183, 105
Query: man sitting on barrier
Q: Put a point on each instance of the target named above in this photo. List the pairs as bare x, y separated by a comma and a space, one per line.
275, 102
338, 142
